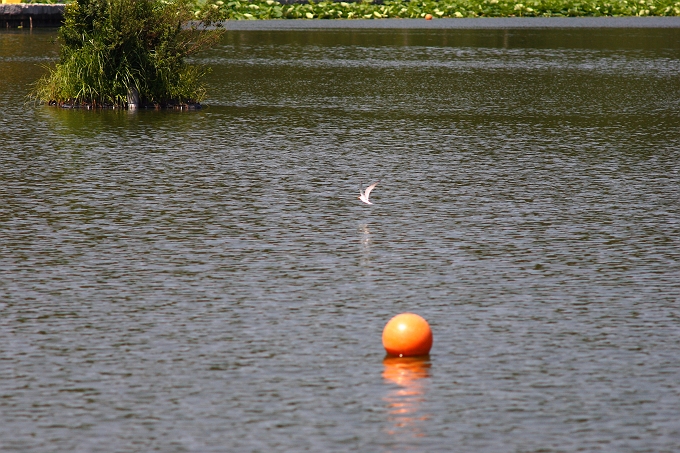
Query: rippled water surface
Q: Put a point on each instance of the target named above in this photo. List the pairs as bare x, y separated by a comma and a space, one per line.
208, 281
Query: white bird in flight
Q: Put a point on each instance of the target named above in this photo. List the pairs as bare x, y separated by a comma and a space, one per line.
363, 196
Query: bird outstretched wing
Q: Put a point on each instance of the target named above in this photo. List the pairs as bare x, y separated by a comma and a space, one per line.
370, 188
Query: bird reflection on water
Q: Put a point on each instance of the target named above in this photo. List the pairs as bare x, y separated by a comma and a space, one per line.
365, 246
404, 404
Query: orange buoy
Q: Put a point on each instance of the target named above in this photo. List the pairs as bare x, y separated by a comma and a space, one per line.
428, 16
407, 335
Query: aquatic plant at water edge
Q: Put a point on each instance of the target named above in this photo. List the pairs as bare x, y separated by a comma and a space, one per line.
109, 47
271, 9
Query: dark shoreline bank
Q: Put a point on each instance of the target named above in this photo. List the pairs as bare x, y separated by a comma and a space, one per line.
23, 15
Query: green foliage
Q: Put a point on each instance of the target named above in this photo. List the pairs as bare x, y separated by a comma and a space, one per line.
272, 9
108, 46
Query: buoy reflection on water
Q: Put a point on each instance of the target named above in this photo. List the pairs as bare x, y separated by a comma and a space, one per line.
404, 404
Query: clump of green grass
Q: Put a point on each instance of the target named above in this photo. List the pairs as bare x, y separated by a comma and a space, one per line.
271, 9
111, 46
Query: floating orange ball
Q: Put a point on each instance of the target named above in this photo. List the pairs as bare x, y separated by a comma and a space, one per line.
428, 16
407, 335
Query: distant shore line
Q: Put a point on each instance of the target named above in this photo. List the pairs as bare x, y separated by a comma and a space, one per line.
491, 23
51, 15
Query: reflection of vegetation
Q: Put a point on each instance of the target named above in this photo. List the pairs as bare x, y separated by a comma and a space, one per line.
271, 9
109, 47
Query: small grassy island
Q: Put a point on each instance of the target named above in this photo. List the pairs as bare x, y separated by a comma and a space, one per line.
129, 54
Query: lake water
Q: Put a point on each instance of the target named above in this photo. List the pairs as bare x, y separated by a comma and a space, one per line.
208, 281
